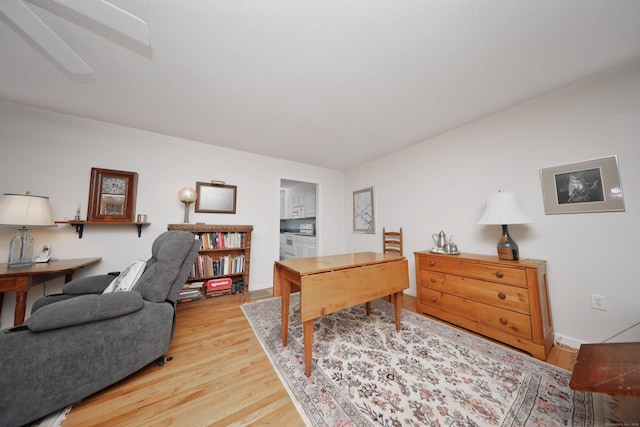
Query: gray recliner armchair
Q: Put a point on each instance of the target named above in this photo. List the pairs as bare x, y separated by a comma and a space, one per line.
81, 341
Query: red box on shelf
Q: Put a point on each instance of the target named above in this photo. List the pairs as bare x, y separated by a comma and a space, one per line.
217, 285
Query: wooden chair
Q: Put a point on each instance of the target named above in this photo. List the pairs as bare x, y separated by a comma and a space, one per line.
392, 242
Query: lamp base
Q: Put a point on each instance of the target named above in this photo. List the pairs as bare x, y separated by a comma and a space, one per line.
21, 249
507, 247
186, 212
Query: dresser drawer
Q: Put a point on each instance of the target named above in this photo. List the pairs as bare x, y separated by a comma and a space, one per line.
499, 295
495, 273
474, 315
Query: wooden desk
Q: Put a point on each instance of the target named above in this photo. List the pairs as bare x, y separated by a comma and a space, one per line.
331, 283
611, 368
20, 279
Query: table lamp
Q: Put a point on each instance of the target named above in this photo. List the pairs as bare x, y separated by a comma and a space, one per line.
187, 196
25, 211
502, 209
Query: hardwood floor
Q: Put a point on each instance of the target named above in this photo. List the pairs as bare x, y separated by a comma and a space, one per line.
219, 376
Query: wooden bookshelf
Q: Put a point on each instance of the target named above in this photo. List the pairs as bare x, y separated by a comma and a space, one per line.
225, 253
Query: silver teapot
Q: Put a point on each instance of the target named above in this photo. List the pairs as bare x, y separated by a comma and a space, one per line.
439, 239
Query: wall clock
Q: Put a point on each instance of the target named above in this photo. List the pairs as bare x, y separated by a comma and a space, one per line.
112, 196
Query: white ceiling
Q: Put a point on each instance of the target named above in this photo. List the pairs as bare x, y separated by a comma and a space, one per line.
332, 83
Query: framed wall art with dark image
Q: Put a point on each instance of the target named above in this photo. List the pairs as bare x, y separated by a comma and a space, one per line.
112, 196
587, 186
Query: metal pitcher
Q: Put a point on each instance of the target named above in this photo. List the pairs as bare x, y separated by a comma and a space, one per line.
439, 239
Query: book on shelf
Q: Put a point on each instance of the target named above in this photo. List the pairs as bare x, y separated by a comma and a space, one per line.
189, 294
195, 285
222, 240
207, 266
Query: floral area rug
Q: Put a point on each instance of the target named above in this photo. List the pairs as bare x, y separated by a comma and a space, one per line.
365, 373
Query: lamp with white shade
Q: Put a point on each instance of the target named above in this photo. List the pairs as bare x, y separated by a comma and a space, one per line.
187, 195
502, 208
25, 211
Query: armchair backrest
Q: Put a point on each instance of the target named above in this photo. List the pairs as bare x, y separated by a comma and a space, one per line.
172, 256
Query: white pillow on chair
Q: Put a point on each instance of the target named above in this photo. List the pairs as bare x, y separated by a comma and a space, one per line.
128, 278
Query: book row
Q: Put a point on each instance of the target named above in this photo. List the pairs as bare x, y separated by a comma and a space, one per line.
222, 240
207, 266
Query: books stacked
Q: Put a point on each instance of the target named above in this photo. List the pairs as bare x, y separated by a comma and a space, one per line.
237, 286
190, 292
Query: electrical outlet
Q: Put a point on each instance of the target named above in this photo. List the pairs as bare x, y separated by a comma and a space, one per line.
599, 302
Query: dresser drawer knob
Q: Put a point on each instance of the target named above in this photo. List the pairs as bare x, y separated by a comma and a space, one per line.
433, 279
503, 320
432, 263
433, 299
499, 274
502, 295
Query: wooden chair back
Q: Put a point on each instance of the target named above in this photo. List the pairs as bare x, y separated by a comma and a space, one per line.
392, 241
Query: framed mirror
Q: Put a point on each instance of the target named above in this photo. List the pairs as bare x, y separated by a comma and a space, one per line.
215, 198
112, 195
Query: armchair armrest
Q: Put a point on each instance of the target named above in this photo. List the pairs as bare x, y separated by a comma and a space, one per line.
88, 285
84, 309
49, 299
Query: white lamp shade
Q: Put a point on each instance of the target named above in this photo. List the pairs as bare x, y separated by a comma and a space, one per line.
25, 210
503, 208
187, 195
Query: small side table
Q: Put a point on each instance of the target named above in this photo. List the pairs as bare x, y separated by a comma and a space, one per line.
20, 279
611, 368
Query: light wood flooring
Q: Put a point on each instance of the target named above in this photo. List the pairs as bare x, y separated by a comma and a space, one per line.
219, 376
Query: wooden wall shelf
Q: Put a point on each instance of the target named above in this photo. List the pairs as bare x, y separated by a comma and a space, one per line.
79, 225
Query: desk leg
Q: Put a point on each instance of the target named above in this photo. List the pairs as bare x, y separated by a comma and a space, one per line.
21, 308
367, 306
286, 292
307, 329
22, 287
397, 302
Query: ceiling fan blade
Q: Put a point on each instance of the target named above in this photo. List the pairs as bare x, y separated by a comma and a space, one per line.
111, 17
40, 33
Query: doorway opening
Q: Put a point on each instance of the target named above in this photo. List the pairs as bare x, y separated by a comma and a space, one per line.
298, 219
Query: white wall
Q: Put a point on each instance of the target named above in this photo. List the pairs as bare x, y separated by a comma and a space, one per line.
438, 184
441, 184
52, 154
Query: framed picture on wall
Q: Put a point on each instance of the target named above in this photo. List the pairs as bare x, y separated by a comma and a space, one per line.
363, 211
587, 186
112, 195
215, 198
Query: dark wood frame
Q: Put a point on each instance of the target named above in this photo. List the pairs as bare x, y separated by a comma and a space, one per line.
123, 205
207, 193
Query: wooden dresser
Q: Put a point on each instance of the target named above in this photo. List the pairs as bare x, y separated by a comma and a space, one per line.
507, 301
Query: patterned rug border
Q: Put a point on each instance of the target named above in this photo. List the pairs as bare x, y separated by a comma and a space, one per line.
474, 343
274, 363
